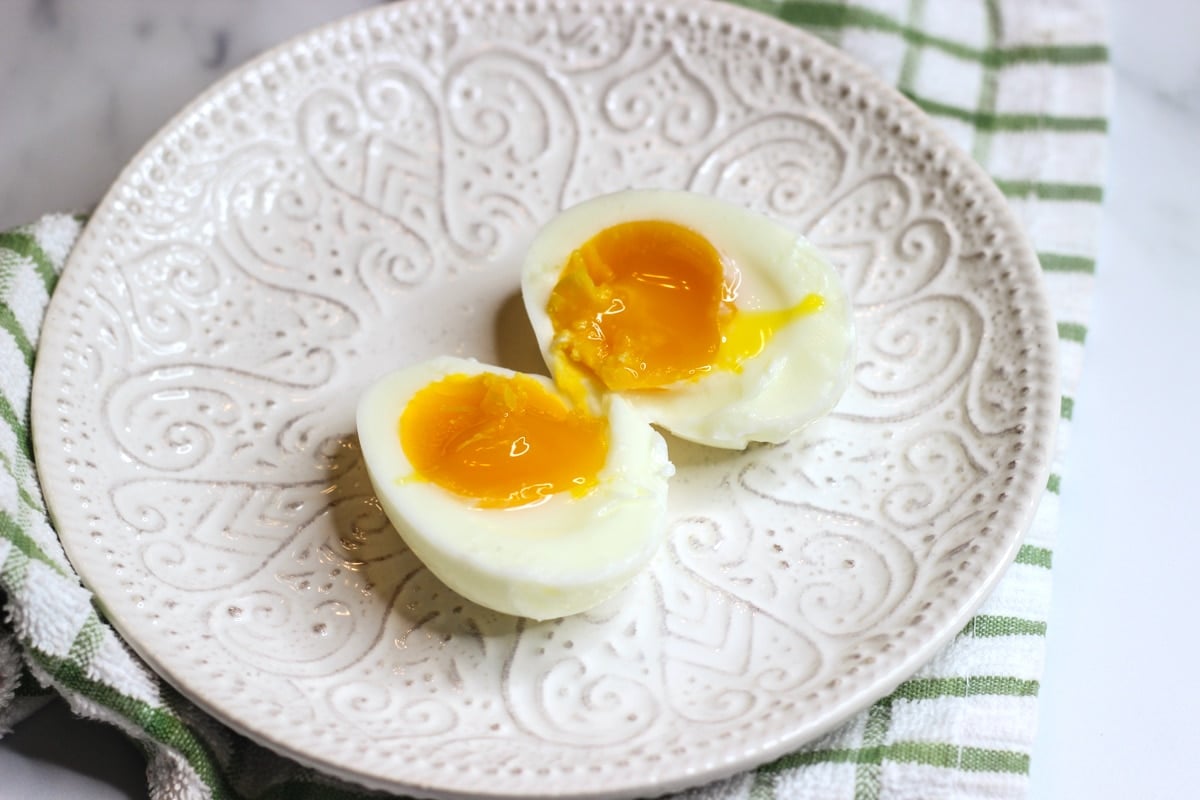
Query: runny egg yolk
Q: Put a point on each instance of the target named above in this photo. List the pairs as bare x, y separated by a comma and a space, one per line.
645, 304
502, 441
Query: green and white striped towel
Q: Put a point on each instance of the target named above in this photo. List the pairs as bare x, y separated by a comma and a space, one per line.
1020, 84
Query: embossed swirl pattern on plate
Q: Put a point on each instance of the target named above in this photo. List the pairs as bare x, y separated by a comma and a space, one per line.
361, 199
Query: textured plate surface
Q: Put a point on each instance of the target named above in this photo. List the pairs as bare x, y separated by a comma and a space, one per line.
360, 198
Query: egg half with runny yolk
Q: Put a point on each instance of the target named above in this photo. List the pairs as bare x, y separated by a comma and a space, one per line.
515, 496
721, 325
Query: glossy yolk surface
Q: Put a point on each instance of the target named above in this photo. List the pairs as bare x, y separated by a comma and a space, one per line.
502, 441
645, 304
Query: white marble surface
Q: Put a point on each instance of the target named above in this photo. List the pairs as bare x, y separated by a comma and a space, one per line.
82, 85
1118, 702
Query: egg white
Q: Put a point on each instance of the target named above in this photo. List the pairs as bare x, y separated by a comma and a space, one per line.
800, 374
559, 557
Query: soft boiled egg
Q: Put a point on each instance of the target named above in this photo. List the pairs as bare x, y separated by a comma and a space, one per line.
719, 324
513, 495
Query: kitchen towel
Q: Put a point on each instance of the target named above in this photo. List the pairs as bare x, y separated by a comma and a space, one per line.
1022, 85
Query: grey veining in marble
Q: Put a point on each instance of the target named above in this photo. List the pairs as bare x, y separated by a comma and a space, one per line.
1157, 88
84, 84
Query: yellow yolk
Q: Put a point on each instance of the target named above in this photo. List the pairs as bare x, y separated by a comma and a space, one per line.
747, 332
502, 441
645, 304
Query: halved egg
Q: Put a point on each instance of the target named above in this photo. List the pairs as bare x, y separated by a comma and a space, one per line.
721, 325
513, 495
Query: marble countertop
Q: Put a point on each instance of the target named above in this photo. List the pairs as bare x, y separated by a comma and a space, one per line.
83, 85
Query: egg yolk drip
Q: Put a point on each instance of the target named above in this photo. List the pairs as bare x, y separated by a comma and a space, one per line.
645, 304
502, 441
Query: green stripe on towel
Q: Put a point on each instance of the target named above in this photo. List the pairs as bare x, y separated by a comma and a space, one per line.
984, 626
992, 121
1068, 192
23, 244
839, 15
1035, 556
1072, 332
1058, 262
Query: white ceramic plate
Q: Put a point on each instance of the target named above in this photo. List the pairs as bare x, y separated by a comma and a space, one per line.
360, 198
